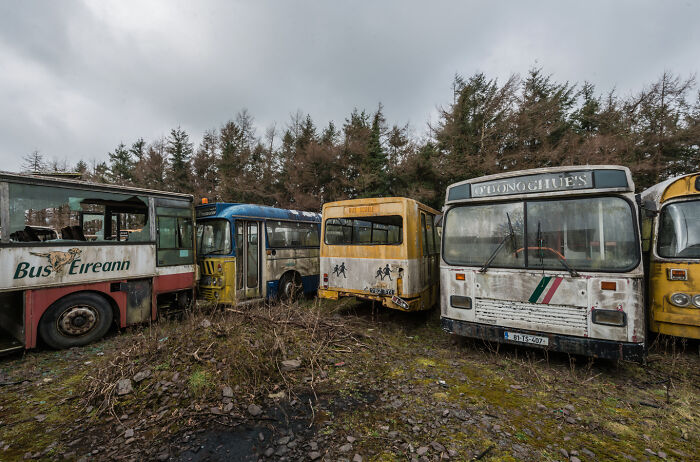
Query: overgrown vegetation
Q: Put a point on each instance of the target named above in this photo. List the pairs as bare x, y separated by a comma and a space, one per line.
392, 387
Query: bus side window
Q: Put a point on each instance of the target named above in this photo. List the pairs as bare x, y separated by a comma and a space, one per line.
175, 237
430, 232
424, 234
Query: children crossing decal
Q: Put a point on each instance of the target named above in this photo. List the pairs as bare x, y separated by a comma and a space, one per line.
540, 295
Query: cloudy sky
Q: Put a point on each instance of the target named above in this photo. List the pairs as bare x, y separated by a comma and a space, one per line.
78, 77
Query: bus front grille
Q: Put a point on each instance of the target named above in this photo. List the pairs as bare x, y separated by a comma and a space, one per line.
207, 294
535, 315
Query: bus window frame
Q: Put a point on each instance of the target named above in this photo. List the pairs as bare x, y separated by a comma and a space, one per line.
657, 223
5, 242
267, 241
630, 203
231, 236
403, 229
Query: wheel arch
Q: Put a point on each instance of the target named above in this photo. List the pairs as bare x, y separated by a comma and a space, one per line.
116, 313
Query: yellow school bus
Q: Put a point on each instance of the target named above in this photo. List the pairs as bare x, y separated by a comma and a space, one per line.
380, 249
671, 231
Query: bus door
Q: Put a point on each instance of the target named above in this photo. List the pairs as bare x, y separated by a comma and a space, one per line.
248, 256
429, 257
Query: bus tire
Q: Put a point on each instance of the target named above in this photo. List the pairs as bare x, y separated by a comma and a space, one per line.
290, 286
75, 320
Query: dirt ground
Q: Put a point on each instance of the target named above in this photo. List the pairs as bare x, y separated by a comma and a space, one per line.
335, 381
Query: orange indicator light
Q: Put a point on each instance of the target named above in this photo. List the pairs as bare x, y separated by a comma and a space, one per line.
459, 276
608, 285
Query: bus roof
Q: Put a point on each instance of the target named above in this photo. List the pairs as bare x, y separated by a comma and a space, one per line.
552, 180
679, 186
79, 184
232, 210
376, 201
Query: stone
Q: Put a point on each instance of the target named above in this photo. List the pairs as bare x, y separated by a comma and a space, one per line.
662, 454
206, 323
124, 387
254, 410
129, 433
40, 417
313, 455
269, 452
290, 364
281, 450
570, 420
345, 448
142, 375
357, 458
588, 453
164, 456
283, 440
422, 450
351, 439
393, 434
227, 392
574, 459
564, 453
228, 407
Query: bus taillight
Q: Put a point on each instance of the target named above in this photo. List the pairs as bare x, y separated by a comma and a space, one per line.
325, 280
608, 285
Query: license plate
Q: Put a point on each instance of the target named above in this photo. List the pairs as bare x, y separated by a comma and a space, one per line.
526, 338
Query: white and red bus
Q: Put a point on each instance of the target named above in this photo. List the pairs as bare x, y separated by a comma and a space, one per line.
69, 269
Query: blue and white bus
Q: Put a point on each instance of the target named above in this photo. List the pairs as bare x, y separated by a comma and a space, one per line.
253, 252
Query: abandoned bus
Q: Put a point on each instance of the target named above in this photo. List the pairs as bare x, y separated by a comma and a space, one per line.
548, 258
671, 242
69, 272
381, 249
251, 252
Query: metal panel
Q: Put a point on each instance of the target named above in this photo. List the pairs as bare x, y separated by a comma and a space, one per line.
138, 300
536, 316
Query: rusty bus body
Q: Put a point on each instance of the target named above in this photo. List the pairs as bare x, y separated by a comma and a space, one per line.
380, 249
69, 288
252, 252
671, 242
548, 258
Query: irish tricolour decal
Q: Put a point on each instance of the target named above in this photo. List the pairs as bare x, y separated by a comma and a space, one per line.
545, 290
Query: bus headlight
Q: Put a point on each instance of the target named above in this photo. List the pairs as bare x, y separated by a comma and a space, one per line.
609, 317
696, 301
459, 301
680, 299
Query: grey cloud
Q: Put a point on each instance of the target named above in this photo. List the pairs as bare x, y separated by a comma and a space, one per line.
79, 77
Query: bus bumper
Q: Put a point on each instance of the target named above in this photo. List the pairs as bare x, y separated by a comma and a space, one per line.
596, 348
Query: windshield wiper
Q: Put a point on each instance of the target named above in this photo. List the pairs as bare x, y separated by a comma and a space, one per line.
562, 260
510, 235
212, 252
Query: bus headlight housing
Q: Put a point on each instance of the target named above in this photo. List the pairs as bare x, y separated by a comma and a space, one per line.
680, 299
458, 301
609, 317
696, 301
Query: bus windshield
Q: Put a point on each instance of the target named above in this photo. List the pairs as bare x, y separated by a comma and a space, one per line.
679, 230
213, 237
594, 234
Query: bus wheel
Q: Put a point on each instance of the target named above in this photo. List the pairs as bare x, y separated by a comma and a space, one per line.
290, 286
75, 320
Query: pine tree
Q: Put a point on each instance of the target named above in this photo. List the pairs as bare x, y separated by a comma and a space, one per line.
121, 165
33, 162
179, 150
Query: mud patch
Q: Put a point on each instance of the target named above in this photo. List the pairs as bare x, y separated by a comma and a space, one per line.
291, 430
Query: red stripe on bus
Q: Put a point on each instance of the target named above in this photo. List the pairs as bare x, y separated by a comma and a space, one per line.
550, 292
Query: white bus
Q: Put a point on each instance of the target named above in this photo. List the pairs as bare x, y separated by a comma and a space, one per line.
70, 272
549, 258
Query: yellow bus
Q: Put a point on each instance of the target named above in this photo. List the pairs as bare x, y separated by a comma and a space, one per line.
381, 249
671, 232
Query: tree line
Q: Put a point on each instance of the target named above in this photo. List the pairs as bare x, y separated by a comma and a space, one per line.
489, 127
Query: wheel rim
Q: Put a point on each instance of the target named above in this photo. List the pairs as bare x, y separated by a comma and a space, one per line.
77, 320
287, 290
